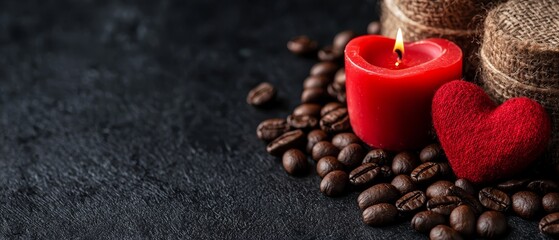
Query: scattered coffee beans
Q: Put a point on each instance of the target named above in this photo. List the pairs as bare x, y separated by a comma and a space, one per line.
328, 164
314, 137
271, 129
463, 220
513, 185
425, 172
334, 183
404, 163
339, 80
329, 107
328, 53
262, 94
324, 68
295, 162
431, 153
379, 193
341, 39
411, 202
403, 183
550, 202
323, 149
424, 221
304, 122
314, 95
466, 198
442, 232
380, 214
443, 205
526, 204
465, 185
316, 81
377, 156
491, 224
365, 174
351, 155
335, 121
494, 199
438, 189
543, 186
341, 140
302, 45
288, 140
550, 224
309, 109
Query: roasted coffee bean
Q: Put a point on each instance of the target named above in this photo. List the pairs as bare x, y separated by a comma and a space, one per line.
335, 121
302, 45
526, 204
351, 155
543, 186
445, 170
381, 214
339, 79
491, 225
333, 90
404, 163
324, 68
342, 97
386, 172
377, 156
315, 136
271, 129
403, 183
328, 164
288, 140
341, 140
432, 153
411, 202
424, 221
514, 185
329, 107
317, 81
295, 162
364, 174
550, 224
314, 95
341, 39
379, 193
438, 189
373, 27
550, 202
327, 53
262, 94
494, 199
323, 149
465, 185
442, 232
443, 205
304, 122
309, 109
334, 183
466, 198
425, 172
463, 220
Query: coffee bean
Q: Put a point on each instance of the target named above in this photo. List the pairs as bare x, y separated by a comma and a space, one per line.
334, 183
324, 68
317, 81
550, 202
341, 140
302, 45
463, 220
295, 162
308, 109
465, 185
262, 94
339, 80
329, 107
327, 53
314, 95
466, 198
364, 174
288, 140
373, 27
377, 156
543, 186
443, 205
491, 225
379, 193
411, 202
381, 214
351, 155
304, 122
442, 232
323, 149
386, 172
403, 183
271, 129
438, 189
494, 199
425, 172
513, 185
445, 170
334, 90
549, 224
328, 164
432, 153
526, 204
404, 163
335, 121
342, 97
341, 39
424, 221
315, 136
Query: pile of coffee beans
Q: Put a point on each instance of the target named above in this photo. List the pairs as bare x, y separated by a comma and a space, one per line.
415, 186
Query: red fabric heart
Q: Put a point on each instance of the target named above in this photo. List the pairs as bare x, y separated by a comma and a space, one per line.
485, 142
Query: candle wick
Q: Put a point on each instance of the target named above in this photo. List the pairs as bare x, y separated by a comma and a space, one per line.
399, 52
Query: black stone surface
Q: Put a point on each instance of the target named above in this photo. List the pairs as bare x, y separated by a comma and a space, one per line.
127, 120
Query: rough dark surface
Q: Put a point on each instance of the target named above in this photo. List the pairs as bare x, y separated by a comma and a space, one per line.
127, 119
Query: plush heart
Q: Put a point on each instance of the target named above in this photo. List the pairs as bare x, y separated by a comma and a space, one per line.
485, 142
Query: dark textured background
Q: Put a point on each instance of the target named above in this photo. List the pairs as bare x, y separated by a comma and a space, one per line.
127, 119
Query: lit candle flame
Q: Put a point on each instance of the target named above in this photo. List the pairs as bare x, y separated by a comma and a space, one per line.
399, 46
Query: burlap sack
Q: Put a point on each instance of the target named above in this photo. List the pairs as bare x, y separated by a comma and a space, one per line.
520, 56
456, 20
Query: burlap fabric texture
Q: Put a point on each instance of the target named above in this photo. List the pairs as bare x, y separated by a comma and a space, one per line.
520, 57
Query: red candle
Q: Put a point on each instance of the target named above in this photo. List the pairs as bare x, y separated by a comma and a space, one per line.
388, 97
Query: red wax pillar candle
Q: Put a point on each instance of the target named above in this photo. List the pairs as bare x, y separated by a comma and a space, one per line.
389, 101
